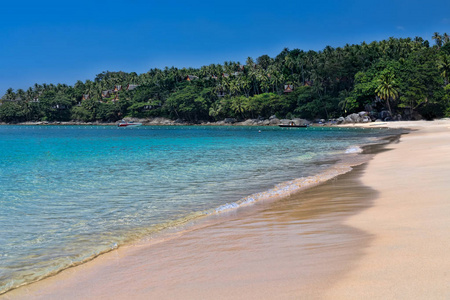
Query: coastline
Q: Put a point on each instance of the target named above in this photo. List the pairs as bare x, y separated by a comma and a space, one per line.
233, 255
408, 257
225, 266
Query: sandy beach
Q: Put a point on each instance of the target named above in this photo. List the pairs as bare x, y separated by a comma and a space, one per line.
379, 232
409, 256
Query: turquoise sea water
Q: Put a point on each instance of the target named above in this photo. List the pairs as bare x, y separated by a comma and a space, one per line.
69, 193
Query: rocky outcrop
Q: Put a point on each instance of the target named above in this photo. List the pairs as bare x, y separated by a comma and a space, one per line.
230, 120
296, 121
274, 121
361, 117
384, 115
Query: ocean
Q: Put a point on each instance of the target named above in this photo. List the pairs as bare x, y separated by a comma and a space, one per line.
71, 193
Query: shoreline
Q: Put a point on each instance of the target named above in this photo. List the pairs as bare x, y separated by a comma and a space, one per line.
408, 257
160, 121
279, 191
74, 279
230, 241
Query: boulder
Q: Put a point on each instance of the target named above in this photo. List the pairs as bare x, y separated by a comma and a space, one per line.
353, 118
299, 121
340, 120
366, 119
229, 120
385, 114
274, 121
249, 122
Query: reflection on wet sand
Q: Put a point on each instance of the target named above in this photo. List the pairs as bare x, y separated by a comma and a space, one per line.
287, 248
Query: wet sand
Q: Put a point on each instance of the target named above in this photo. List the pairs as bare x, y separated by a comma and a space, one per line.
274, 249
381, 231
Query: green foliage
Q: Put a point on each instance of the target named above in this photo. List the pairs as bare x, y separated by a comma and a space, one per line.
387, 87
406, 74
56, 105
447, 100
11, 112
79, 113
189, 103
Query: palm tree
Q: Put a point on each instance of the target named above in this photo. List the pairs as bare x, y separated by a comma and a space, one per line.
438, 39
38, 88
10, 95
444, 67
446, 38
215, 109
20, 94
30, 94
387, 89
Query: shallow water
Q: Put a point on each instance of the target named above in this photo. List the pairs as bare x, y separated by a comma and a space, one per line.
69, 193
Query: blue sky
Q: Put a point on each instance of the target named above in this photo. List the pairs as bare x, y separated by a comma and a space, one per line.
63, 41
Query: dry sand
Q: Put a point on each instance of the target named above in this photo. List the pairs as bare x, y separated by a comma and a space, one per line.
409, 258
379, 232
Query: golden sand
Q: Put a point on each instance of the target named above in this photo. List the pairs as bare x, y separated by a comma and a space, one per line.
271, 250
409, 258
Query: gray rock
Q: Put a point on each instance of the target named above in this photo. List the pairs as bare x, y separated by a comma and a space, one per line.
230, 120
249, 122
355, 118
274, 121
366, 119
385, 114
299, 121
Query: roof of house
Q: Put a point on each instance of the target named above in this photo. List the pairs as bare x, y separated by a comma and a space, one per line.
132, 87
288, 88
106, 93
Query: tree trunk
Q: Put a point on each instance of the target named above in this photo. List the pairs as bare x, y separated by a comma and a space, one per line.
389, 107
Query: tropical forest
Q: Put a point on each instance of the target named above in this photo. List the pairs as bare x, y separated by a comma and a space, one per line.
397, 78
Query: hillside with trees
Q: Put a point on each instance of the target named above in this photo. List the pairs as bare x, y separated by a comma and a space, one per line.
392, 79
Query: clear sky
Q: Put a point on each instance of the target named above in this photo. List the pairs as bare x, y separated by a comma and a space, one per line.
64, 41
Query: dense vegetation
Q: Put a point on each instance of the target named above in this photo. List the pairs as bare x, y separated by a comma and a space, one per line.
403, 77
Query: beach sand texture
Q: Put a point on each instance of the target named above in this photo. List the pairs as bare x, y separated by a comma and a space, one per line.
379, 232
293, 246
409, 258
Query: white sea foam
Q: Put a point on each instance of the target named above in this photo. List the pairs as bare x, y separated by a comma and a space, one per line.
227, 206
354, 149
289, 187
